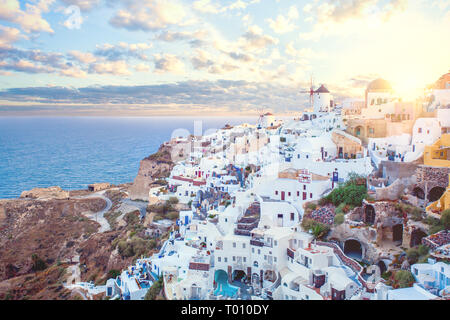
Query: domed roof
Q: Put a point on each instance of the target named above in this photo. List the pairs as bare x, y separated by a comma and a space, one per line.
322, 89
379, 85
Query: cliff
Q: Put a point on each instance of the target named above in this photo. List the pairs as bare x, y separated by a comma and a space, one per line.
154, 167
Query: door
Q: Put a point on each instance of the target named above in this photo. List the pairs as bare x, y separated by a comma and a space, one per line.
282, 195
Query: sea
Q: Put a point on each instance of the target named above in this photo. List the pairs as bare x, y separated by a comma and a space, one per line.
73, 152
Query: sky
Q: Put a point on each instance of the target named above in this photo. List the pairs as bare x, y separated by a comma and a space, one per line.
212, 57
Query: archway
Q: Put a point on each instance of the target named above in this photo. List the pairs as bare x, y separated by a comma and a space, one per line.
238, 275
435, 194
359, 131
416, 237
353, 249
382, 265
397, 233
369, 214
419, 193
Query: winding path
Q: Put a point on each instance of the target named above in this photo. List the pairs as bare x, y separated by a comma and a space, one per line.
99, 216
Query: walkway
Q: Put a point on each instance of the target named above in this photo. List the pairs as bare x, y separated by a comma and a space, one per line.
99, 216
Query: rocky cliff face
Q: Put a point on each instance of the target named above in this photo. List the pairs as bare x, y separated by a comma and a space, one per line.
152, 168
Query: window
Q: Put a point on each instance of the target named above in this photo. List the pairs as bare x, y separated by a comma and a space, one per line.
265, 257
234, 258
298, 193
243, 245
310, 195
276, 192
225, 259
275, 243
245, 259
274, 259
298, 156
219, 259
234, 244
259, 251
253, 250
304, 187
419, 130
280, 216
289, 193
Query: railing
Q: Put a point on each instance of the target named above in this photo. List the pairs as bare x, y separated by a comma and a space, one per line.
355, 266
258, 243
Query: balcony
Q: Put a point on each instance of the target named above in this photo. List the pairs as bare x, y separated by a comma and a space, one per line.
255, 242
291, 253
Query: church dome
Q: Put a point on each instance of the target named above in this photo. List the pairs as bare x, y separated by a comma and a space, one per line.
379, 85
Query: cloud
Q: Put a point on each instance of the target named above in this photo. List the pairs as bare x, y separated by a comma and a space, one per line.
195, 38
148, 15
255, 40
83, 57
168, 63
344, 16
207, 6
30, 19
26, 66
142, 67
122, 50
180, 98
9, 35
84, 5
284, 24
118, 68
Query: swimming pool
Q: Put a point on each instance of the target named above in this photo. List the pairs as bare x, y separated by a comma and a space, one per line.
223, 287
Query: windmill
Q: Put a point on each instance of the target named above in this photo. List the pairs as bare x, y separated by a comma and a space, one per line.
311, 93
261, 117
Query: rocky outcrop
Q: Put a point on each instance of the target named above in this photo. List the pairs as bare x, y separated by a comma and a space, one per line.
152, 168
45, 193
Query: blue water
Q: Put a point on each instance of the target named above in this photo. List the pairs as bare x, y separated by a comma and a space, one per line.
223, 287
72, 152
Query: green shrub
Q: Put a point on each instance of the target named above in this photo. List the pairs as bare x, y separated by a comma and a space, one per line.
38, 263
340, 208
319, 230
311, 206
323, 201
423, 250
339, 219
113, 273
413, 255
349, 193
404, 278
154, 290
445, 218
